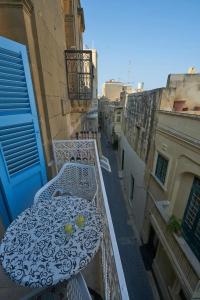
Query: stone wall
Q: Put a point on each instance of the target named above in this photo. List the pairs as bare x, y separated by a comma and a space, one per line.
41, 26
50, 34
134, 168
139, 120
184, 87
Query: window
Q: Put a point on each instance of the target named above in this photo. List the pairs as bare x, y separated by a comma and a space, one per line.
191, 220
161, 168
132, 187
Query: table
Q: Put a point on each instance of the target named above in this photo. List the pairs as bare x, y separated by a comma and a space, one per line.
37, 252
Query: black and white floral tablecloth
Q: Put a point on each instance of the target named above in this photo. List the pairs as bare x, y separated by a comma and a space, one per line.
37, 252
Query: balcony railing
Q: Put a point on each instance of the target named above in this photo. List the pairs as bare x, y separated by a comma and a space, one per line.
79, 74
184, 269
85, 151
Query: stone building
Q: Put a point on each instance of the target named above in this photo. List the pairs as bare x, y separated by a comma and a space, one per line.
172, 218
48, 33
138, 132
91, 123
134, 145
110, 119
111, 89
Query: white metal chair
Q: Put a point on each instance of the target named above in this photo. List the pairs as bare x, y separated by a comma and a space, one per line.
73, 289
73, 179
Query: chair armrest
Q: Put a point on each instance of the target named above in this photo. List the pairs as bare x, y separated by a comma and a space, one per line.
46, 191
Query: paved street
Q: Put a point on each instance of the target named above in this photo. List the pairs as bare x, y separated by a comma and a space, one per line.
135, 274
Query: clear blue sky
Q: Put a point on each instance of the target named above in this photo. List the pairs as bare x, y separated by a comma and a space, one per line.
159, 37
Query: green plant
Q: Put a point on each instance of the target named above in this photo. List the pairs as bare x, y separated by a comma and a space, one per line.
174, 225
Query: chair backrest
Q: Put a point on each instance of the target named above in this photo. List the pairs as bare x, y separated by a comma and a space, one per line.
73, 179
78, 179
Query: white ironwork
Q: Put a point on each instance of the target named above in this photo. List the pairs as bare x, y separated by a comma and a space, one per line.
74, 179
85, 151
104, 162
77, 289
73, 289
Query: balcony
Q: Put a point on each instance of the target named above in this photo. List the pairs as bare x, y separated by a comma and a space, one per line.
79, 69
107, 267
104, 275
183, 260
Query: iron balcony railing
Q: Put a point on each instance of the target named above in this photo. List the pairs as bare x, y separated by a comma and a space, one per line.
79, 69
110, 266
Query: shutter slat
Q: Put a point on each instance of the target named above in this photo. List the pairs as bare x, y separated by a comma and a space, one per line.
12, 83
14, 94
13, 89
24, 166
15, 162
11, 129
11, 71
14, 111
14, 100
20, 151
7, 57
13, 77
19, 148
21, 143
10, 53
17, 139
12, 135
11, 65
16, 105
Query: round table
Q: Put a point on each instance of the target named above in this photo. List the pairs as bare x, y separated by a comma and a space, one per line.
37, 252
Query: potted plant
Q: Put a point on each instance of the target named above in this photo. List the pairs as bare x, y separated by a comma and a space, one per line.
174, 225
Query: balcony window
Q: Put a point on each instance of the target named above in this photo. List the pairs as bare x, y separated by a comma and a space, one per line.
191, 220
79, 74
161, 168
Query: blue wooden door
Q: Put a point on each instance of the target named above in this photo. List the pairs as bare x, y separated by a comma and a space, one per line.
22, 166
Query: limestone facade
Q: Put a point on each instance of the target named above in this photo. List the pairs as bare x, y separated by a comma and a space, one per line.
176, 262
110, 119
137, 141
47, 33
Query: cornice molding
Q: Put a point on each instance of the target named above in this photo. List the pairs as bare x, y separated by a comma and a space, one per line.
27, 5
179, 136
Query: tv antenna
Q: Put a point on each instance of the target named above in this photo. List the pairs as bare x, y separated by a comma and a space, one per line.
129, 72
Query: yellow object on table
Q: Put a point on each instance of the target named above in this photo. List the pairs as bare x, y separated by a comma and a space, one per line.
80, 221
68, 228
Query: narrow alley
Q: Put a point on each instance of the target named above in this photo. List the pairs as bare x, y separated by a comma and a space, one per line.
135, 274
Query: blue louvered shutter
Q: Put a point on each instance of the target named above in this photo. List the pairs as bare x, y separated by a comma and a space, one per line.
22, 166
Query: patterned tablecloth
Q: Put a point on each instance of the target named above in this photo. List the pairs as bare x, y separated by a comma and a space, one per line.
37, 252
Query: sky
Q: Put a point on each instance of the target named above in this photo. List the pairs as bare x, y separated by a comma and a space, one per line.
143, 40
